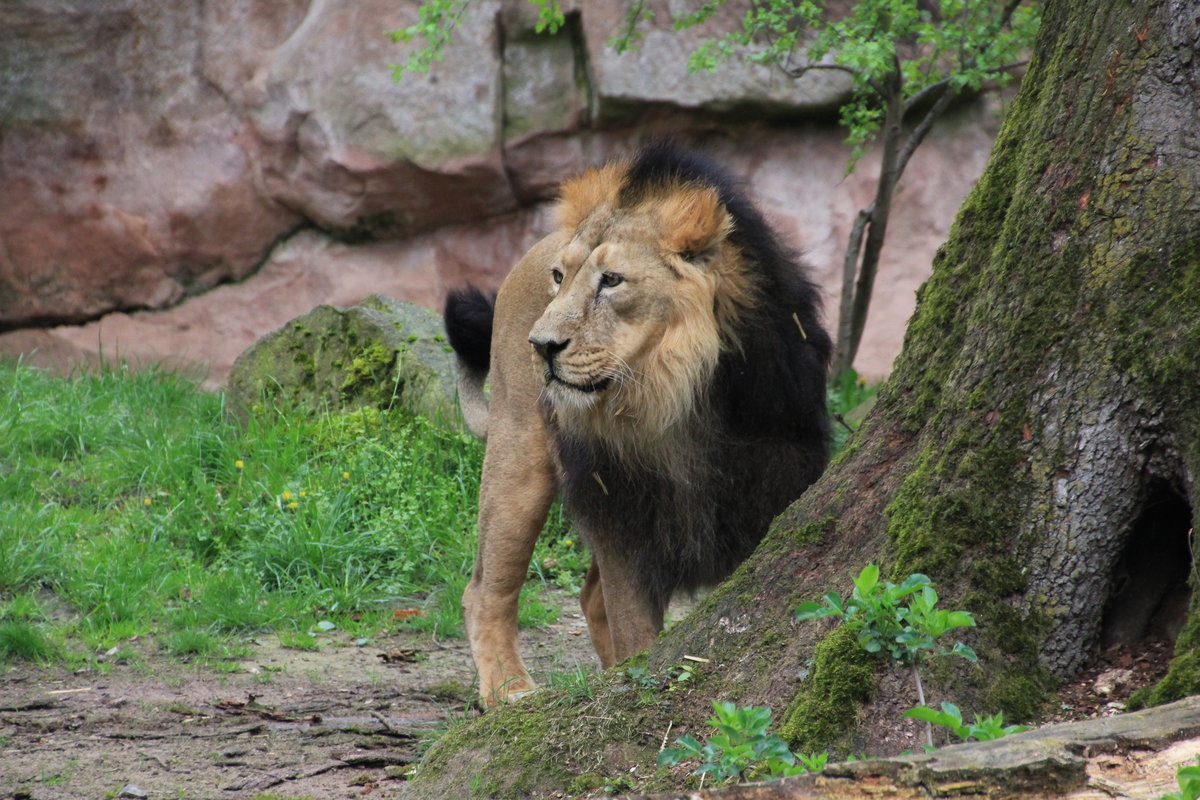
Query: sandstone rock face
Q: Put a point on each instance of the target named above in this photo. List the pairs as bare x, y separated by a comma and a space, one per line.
381, 353
236, 162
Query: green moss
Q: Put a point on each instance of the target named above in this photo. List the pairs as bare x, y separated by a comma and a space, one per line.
582, 784
814, 531
1182, 680
1020, 695
530, 747
368, 371
306, 363
825, 712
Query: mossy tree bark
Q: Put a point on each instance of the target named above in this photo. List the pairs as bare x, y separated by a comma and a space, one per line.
1034, 452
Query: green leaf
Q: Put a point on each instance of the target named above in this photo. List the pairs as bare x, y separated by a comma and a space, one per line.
964, 651
925, 714
960, 619
867, 580
810, 610
914, 582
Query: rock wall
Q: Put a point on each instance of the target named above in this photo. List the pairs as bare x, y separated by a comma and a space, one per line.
182, 178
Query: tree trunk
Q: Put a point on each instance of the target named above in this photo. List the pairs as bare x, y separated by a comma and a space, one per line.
1034, 452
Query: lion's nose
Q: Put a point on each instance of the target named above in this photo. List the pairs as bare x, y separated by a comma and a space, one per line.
548, 348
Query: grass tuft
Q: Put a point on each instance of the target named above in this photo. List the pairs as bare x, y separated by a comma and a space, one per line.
21, 640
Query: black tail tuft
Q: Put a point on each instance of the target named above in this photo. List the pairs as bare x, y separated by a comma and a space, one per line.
468, 316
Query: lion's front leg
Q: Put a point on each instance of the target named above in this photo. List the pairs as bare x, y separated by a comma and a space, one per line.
516, 490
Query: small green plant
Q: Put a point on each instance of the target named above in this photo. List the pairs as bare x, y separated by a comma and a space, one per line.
902, 621
679, 680
983, 729
298, 640
190, 642
641, 678
645, 684
618, 785
742, 748
1188, 779
576, 684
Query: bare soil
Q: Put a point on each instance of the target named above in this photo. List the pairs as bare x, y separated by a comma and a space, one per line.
340, 721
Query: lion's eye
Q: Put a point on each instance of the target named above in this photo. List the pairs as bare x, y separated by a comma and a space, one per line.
610, 279
557, 275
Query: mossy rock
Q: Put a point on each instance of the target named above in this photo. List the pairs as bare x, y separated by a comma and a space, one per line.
382, 352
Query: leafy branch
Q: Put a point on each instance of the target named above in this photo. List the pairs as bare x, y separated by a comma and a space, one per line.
901, 57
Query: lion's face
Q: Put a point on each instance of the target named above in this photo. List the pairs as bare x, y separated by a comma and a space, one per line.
612, 306
642, 304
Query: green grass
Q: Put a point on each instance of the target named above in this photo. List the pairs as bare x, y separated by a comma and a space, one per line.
23, 640
131, 507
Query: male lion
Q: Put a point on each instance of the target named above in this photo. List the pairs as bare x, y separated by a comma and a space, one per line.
675, 396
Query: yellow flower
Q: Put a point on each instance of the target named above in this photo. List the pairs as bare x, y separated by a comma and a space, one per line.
147, 501
287, 495
293, 504
239, 464
568, 542
346, 476
303, 493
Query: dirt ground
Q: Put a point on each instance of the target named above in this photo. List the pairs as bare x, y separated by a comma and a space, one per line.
342, 721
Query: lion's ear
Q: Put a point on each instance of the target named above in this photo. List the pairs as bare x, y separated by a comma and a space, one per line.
583, 194
693, 220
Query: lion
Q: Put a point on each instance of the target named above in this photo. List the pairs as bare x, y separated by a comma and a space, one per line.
659, 361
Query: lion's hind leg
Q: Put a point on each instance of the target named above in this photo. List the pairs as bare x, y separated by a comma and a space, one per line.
631, 617
591, 597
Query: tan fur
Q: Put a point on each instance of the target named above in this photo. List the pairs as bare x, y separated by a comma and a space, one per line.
584, 194
655, 338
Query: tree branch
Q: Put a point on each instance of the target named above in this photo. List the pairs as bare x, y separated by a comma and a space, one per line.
1007, 13
928, 91
918, 134
849, 275
796, 72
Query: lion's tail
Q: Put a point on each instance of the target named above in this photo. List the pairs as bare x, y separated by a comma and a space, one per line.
468, 317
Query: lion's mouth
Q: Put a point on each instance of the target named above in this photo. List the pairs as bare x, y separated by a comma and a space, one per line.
586, 388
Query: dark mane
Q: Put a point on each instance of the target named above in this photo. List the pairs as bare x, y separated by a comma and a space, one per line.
661, 165
763, 435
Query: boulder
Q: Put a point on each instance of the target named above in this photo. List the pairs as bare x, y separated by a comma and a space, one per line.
158, 150
656, 70
383, 352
